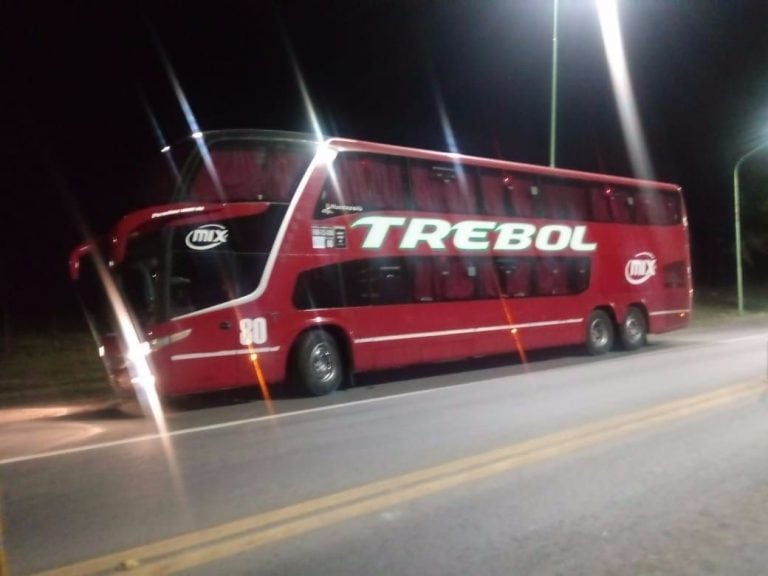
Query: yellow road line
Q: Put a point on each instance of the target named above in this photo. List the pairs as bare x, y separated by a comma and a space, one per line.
225, 540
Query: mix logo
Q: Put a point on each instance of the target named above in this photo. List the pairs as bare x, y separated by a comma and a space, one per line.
640, 268
206, 237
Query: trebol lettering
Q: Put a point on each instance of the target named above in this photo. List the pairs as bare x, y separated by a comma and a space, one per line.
640, 268
206, 237
475, 234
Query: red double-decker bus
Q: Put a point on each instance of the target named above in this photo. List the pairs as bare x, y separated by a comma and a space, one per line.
284, 258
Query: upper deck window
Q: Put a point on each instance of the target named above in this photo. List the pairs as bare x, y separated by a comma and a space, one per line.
438, 187
657, 208
563, 199
360, 183
248, 171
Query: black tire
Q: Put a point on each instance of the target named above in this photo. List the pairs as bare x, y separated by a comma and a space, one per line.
599, 333
634, 330
318, 365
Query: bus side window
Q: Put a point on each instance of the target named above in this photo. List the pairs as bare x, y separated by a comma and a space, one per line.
523, 194
672, 212
622, 205
600, 204
392, 283
494, 192
578, 270
357, 283
443, 188
422, 275
362, 182
487, 279
427, 189
562, 199
657, 208
321, 287
378, 281
551, 277
675, 274
464, 200
455, 278
514, 276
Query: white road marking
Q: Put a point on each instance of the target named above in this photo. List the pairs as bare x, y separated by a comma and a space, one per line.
256, 419
224, 425
742, 339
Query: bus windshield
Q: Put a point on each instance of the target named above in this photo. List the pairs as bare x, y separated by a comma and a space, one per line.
227, 166
243, 169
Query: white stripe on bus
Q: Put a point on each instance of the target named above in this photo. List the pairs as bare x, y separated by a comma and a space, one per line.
466, 331
663, 312
197, 355
411, 336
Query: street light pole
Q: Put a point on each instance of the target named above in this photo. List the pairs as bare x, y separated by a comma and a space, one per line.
737, 225
553, 103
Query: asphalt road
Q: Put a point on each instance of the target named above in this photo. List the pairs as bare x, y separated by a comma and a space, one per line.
654, 462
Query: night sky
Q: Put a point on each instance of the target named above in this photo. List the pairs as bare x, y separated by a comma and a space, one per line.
81, 79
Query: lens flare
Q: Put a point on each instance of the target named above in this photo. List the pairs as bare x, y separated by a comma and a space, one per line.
623, 93
194, 127
137, 351
304, 91
253, 357
450, 141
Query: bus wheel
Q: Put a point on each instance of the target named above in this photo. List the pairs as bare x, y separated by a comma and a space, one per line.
599, 333
319, 367
634, 330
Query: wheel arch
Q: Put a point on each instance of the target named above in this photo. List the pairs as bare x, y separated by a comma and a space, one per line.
608, 309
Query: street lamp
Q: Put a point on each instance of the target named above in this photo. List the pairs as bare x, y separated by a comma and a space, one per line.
553, 102
737, 224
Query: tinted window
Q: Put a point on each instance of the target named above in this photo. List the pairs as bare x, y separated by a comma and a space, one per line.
357, 283
657, 208
360, 183
675, 274
622, 203
93, 296
249, 171
201, 278
426, 279
443, 187
439, 278
507, 194
563, 199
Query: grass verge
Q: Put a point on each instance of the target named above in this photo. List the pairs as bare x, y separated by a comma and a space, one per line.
52, 367
43, 368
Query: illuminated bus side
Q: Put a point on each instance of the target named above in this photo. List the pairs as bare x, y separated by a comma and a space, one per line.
280, 269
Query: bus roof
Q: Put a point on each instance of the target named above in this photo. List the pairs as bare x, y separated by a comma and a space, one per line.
348, 144
345, 144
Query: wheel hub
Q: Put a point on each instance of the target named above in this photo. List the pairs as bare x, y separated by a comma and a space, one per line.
598, 333
322, 362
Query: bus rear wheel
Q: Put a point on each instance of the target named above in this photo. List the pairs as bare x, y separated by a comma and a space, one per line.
318, 364
599, 333
634, 329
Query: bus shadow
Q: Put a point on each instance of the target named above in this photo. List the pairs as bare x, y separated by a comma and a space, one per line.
465, 370
474, 368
